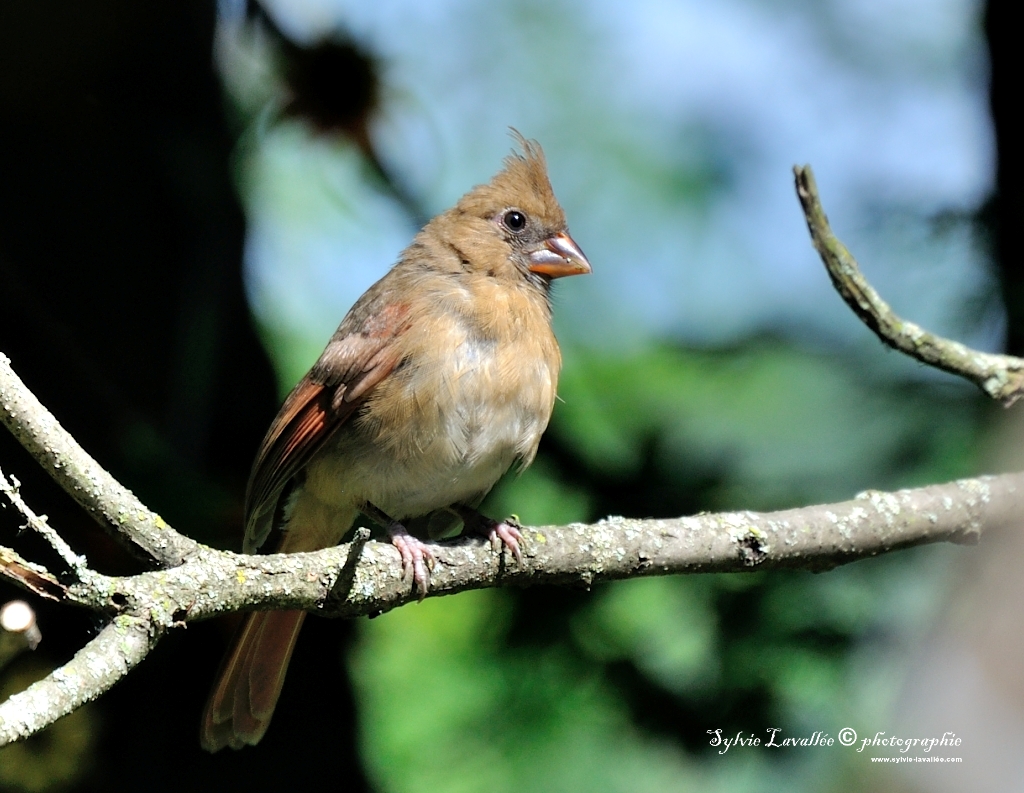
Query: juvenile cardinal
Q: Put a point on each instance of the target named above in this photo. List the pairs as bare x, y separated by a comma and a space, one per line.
441, 376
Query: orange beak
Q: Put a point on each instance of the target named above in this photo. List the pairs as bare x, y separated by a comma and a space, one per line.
559, 256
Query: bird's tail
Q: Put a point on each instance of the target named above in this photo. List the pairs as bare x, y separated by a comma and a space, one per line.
249, 683
243, 699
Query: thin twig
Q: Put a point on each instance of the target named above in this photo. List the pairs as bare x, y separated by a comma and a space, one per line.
999, 376
29, 576
38, 523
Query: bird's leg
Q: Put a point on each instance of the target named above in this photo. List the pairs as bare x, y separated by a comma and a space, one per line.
416, 554
501, 533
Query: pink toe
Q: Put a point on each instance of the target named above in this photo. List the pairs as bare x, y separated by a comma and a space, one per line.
416, 557
508, 535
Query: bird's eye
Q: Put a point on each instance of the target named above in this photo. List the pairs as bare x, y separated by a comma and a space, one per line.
514, 220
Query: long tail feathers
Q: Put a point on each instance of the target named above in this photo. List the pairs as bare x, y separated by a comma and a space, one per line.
243, 698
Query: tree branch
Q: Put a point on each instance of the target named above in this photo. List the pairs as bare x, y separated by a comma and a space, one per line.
97, 492
31, 577
365, 577
999, 376
118, 649
38, 523
212, 582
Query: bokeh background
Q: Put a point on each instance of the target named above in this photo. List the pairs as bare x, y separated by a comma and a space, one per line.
191, 196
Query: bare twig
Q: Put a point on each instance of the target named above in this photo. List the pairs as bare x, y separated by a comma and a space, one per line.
999, 376
102, 496
38, 524
17, 616
29, 576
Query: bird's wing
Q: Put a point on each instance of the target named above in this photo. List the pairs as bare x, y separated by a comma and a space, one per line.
361, 354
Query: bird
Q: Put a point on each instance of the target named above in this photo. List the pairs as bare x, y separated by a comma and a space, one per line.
440, 378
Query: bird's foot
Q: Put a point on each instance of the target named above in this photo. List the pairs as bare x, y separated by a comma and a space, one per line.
416, 556
504, 533
507, 533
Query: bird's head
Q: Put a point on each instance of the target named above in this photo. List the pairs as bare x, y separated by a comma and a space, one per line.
513, 227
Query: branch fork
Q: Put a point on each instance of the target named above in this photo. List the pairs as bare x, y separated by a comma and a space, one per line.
189, 581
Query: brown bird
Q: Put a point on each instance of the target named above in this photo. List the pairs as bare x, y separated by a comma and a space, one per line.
440, 378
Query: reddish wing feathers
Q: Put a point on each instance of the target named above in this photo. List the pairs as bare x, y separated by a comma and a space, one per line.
362, 353
299, 429
354, 362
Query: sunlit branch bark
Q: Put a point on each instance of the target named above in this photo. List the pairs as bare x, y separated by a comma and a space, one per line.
12, 492
999, 376
366, 577
115, 651
337, 582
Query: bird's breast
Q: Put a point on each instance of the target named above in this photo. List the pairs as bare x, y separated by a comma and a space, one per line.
464, 404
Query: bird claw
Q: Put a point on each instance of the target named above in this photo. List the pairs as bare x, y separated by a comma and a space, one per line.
506, 533
416, 557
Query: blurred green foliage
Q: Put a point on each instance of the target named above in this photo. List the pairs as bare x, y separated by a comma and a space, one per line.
774, 426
